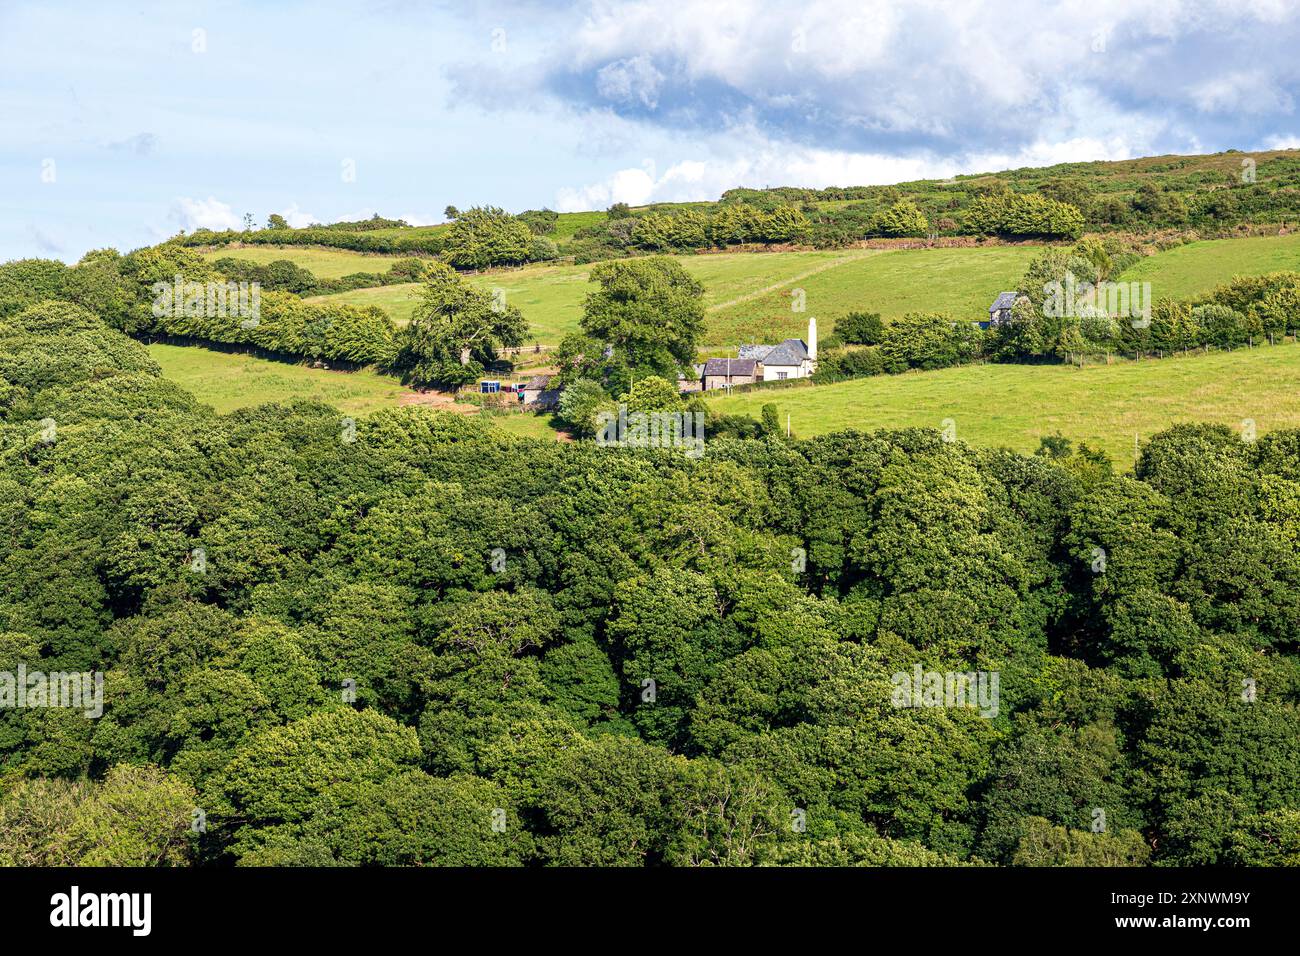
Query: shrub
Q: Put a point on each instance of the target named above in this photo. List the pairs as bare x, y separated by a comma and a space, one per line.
860, 328
927, 340
903, 218
1023, 215
486, 236
579, 405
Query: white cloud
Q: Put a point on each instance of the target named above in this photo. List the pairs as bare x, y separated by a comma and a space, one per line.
208, 213
636, 187
1245, 91
296, 218
420, 219
946, 77
628, 80
837, 92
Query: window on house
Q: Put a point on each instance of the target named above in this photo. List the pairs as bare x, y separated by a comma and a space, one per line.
780, 376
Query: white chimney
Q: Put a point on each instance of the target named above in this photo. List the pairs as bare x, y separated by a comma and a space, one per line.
812, 339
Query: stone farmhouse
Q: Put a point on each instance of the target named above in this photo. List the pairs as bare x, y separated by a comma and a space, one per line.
793, 358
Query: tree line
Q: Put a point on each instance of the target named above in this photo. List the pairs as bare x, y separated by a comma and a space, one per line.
452, 338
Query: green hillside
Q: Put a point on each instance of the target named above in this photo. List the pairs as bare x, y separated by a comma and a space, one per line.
228, 381
1015, 405
1188, 271
551, 297
749, 295
960, 282
1213, 194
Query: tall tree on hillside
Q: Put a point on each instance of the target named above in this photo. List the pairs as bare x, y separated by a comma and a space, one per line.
486, 236
455, 332
649, 312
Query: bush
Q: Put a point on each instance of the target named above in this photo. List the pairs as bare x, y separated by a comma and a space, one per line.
542, 249
334, 237
861, 362
928, 340
1224, 327
1023, 215
486, 236
861, 328
580, 404
26, 281
903, 218
540, 222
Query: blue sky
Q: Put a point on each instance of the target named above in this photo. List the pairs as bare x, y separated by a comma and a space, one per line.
120, 126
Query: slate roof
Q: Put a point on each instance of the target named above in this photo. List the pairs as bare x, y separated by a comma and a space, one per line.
538, 383
789, 352
1005, 300
731, 367
756, 352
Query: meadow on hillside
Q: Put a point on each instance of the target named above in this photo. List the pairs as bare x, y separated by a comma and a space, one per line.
1016, 405
1188, 271
227, 381
551, 297
991, 405
749, 296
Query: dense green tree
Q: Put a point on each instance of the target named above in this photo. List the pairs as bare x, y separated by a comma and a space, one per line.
929, 341
1047, 845
903, 218
485, 236
1024, 215
860, 328
649, 312
137, 816
455, 332
581, 404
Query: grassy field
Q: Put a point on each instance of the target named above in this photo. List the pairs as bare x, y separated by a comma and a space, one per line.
322, 263
397, 300
551, 297
524, 425
571, 222
992, 405
1015, 405
229, 381
1197, 267
960, 282
749, 296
